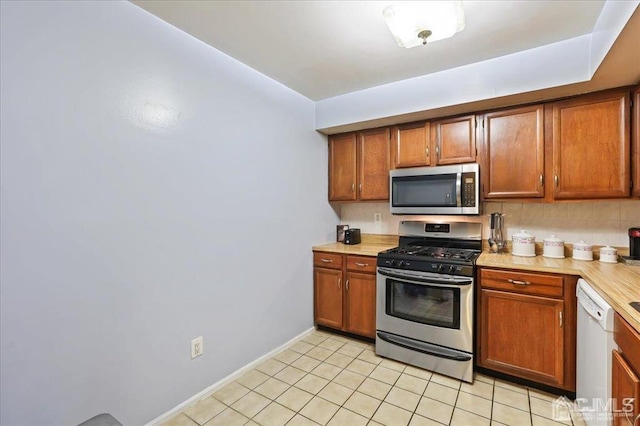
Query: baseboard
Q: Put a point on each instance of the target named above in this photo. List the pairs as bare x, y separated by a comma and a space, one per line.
228, 379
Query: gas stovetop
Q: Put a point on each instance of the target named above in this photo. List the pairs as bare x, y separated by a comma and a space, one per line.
434, 253
442, 248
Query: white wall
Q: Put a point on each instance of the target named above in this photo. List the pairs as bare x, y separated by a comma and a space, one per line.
596, 222
153, 190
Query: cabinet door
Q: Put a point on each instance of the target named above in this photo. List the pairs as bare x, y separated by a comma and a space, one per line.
342, 167
361, 303
591, 147
514, 153
454, 140
523, 336
328, 297
636, 143
373, 164
625, 391
410, 145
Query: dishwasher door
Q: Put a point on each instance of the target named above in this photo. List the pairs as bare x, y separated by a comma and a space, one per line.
593, 356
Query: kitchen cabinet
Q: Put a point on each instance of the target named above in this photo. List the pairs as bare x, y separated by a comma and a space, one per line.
625, 381
441, 142
359, 166
527, 326
635, 167
454, 140
410, 145
345, 292
513, 153
591, 146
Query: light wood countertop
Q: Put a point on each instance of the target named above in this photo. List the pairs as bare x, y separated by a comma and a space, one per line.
371, 245
617, 283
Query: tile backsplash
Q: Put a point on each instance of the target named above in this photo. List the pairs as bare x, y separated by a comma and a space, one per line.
595, 222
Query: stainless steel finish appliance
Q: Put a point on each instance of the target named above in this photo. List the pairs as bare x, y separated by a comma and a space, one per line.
425, 297
496, 240
441, 190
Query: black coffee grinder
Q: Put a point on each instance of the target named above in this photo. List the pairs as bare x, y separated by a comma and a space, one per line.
634, 243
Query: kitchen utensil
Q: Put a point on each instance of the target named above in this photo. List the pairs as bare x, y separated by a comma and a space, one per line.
608, 255
496, 240
582, 251
524, 244
553, 247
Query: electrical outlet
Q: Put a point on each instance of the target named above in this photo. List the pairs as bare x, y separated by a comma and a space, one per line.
377, 217
197, 347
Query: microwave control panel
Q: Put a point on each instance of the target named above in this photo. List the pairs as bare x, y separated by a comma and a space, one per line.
469, 189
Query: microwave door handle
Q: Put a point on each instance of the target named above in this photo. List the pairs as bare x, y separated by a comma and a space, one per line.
459, 190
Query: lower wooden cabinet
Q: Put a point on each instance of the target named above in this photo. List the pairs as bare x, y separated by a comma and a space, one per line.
527, 326
345, 292
625, 381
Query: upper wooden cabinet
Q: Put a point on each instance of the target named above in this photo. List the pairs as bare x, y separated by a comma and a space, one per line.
513, 153
342, 167
373, 164
410, 145
636, 142
454, 140
359, 166
591, 147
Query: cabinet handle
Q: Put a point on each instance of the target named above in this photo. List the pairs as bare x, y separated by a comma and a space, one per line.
427, 151
361, 264
346, 284
438, 151
518, 282
560, 319
339, 282
541, 179
556, 180
353, 187
360, 188
327, 260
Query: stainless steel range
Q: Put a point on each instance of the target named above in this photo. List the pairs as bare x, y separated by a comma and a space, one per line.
425, 287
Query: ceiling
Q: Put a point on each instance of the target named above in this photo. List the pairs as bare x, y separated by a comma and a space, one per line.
322, 49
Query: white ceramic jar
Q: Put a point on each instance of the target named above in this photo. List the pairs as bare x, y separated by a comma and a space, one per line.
582, 251
524, 244
608, 255
553, 247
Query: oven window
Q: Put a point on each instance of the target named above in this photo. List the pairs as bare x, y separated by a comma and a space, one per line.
433, 305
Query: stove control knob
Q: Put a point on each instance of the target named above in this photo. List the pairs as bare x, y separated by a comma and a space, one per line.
440, 267
393, 262
452, 268
401, 263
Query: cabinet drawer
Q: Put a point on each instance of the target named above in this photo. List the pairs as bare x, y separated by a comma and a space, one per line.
628, 341
327, 260
522, 282
361, 263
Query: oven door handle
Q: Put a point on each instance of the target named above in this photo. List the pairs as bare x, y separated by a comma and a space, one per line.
426, 348
425, 280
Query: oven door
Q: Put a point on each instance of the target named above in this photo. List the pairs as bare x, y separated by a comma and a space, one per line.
432, 308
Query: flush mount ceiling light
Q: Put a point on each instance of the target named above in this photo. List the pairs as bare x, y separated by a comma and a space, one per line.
413, 22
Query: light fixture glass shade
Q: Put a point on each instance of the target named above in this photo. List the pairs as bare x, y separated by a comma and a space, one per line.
407, 19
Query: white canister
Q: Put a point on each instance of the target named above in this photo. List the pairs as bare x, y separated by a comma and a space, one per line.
524, 244
553, 247
582, 251
608, 255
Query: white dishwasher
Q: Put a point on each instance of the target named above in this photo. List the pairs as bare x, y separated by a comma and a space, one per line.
593, 356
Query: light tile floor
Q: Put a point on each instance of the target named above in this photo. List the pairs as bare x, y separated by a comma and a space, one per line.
329, 379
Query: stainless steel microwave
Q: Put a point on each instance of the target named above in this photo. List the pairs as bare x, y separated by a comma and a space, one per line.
440, 190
